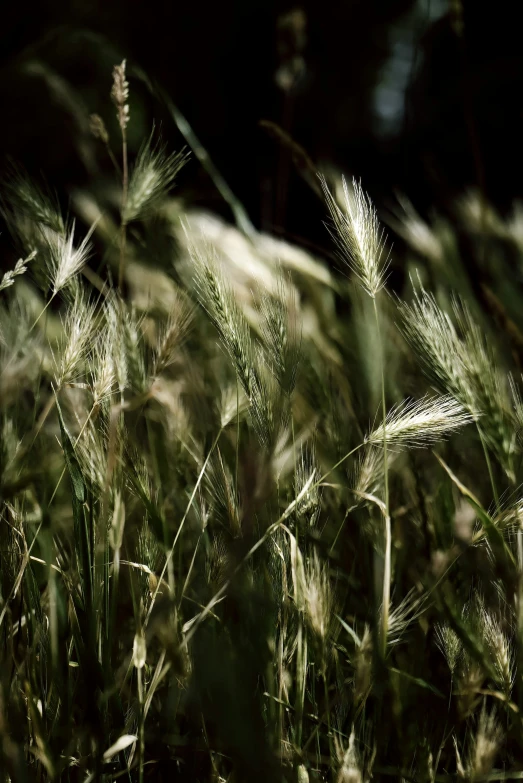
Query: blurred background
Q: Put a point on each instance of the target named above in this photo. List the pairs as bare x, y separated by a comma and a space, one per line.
420, 97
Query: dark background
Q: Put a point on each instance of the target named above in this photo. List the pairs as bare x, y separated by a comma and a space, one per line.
422, 97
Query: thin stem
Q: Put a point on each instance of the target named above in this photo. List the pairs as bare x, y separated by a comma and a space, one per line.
270, 530
189, 571
141, 733
237, 435
300, 695
338, 463
328, 713
489, 467
301, 639
21, 572
62, 474
13, 356
386, 586
240, 215
383, 405
43, 311
123, 225
331, 550
280, 684
39, 379
388, 543
115, 581
307, 487
519, 635
112, 158
180, 527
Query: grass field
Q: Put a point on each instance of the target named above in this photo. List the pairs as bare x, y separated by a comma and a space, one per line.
261, 515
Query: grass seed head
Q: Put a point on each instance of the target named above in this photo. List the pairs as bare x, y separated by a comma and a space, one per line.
19, 269
450, 645
64, 260
485, 745
433, 337
350, 770
172, 335
358, 235
420, 423
151, 178
78, 328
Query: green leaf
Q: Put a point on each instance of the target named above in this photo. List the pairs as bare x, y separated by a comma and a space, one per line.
418, 681
70, 459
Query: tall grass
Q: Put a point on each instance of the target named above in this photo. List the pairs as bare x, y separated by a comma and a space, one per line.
257, 522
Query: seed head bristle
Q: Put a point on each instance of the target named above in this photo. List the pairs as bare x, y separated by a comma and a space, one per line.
281, 333
357, 232
78, 327
64, 260
172, 335
103, 363
450, 645
433, 337
350, 769
485, 745
217, 298
421, 423
151, 178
